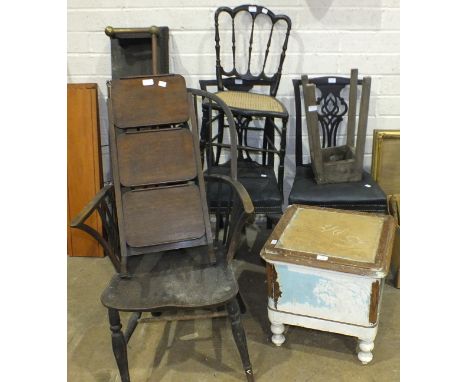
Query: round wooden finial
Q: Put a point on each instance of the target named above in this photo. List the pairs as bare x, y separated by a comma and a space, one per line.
154, 29
109, 31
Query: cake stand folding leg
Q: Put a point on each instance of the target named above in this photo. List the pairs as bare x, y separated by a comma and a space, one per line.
365, 347
277, 329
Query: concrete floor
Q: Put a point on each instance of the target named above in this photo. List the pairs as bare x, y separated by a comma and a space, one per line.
203, 350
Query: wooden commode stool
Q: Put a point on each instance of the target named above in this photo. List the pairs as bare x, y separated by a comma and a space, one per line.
326, 270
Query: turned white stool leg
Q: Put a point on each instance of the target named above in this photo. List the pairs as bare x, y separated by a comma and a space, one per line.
277, 329
365, 347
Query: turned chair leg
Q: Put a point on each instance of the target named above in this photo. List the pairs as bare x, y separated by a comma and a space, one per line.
241, 303
269, 223
119, 345
239, 337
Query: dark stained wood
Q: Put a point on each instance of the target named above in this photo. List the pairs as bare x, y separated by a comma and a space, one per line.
257, 112
274, 290
119, 345
201, 181
173, 279
246, 77
374, 302
138, 51
165, 226
239, 337
163, 215
84, 175
150, 157
149, 100
117, 188
184, 316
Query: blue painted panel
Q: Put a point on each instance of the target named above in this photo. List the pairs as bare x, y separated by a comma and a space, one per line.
328, 295
297, 288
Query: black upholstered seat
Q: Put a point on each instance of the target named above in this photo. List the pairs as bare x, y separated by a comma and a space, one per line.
259, 181
365, 195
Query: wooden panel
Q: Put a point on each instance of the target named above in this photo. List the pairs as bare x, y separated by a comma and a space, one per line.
84, 178
162, 215
149, 100
156, 157
386, 160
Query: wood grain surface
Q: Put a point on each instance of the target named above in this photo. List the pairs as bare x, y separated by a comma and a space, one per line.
163, 215
84, 177
158, 156
149, 100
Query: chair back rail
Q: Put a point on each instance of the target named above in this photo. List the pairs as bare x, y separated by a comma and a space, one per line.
245, 81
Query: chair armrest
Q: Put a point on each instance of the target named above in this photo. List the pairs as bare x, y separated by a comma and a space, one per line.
205, 83
240, 191
229, 119
236, 213
91, 206
102, 203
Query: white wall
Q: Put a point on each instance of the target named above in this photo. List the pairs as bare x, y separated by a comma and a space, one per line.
328, 37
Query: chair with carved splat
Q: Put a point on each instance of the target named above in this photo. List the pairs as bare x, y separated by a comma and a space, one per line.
332, 108
256, 40
158, 228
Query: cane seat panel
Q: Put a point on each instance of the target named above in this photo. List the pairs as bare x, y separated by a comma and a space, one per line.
252, 101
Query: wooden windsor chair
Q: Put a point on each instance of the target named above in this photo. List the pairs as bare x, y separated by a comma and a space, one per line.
158, 231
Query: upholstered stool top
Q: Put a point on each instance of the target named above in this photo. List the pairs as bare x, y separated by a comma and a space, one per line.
337, 240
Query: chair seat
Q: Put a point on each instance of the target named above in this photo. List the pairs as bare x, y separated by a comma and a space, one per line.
253, 104
176, 279
259, 181
365, 195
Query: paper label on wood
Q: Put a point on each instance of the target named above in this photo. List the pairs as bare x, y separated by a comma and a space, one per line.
332, 80
322, 257
148, 82
163, 84
238, 82
265, 11
253, 9
312, 108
